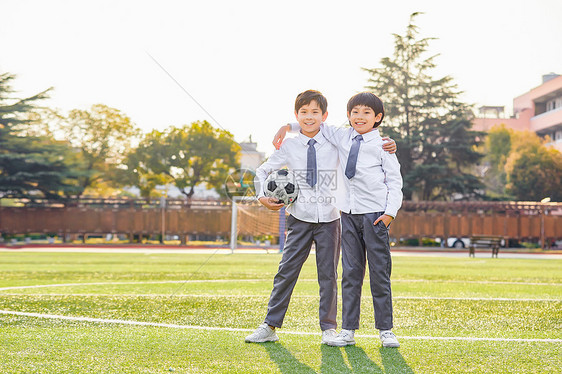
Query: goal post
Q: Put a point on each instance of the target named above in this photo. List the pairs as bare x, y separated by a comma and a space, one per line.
250, 218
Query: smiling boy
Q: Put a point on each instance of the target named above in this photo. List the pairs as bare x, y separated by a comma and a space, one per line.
313, 217
373, 195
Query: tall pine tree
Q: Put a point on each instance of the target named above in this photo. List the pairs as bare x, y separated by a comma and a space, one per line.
430, 125
30, 166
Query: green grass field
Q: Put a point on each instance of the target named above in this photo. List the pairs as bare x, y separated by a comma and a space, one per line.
493, 315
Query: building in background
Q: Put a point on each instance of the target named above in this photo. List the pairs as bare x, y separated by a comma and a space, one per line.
250, 158
539, 110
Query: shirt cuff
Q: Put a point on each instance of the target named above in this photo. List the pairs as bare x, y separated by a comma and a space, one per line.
391, 213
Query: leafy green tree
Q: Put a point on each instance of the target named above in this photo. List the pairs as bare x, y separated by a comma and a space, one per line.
201, 154
496, 148
533, 171
145, 165
31, 165
436, 147
185, 156
103, 136
520, 166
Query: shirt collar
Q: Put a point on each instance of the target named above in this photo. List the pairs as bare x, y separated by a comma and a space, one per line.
368, 136
318, 137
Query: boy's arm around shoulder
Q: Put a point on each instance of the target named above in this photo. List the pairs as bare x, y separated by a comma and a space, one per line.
334, 134
278, 138
389, 145
393, 181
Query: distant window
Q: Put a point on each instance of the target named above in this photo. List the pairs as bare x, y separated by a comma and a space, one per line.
554, 104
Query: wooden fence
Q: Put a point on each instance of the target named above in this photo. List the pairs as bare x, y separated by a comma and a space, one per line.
215, 220
444, 225
130, 221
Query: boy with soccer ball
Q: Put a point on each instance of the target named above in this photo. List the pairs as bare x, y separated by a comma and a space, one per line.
373, 195
313, 217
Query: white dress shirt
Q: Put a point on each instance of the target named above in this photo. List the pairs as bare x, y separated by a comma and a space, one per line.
377, 184
313, 204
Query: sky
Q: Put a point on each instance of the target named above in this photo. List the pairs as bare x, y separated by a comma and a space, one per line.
240, 64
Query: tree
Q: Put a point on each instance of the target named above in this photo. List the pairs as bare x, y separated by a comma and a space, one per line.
103, 136
520, 166
497, 148
145, 165
202, 154
32, 166
436, 147
533, 171
185, 156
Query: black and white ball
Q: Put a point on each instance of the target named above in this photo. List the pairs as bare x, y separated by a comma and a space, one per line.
282, 185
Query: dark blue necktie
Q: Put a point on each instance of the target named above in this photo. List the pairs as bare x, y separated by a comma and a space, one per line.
311, 163
352, 159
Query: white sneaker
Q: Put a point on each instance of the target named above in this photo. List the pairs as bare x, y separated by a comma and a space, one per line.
263, 334
345, 337
328, 335
388, 339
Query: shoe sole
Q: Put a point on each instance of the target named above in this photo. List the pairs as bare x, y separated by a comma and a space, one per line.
339, 344
391, 345
272, 339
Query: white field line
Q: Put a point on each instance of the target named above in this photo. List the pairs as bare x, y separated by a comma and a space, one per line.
470, 298
154, 295
474, 282
131, 282
207, 328
256, 280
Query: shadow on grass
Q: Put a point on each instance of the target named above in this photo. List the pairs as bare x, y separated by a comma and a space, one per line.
333, 360
360, 362
393, 361
285, 360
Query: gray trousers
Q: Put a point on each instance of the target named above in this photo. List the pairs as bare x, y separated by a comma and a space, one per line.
362, 241
300, 236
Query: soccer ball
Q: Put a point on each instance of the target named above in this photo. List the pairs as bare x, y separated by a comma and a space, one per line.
282, 185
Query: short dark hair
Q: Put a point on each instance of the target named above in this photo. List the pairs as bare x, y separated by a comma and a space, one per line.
304, 98
367, 99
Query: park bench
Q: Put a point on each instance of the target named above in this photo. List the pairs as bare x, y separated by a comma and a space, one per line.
492, 242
